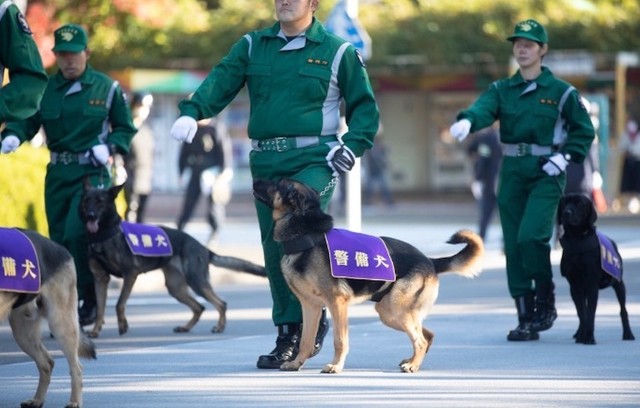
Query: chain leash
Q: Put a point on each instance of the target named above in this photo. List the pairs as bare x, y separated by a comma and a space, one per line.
329, 186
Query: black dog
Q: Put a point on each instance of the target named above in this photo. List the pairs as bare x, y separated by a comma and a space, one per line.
187, 267
582, 266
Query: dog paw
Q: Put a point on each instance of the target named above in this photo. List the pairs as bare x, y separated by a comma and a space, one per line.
180, 329
409, 368
291, 366
72, 405
331, 369
31, 404
123, 328
628, 336
93, 334
217, 329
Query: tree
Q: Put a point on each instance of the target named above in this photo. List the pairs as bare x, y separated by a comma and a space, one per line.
427, 33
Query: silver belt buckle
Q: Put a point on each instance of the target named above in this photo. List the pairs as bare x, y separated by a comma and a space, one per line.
281, 144
66, 158
523, 149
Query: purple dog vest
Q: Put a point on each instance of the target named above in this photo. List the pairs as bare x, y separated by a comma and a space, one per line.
611, 262
20, 267
146, 240
359, 256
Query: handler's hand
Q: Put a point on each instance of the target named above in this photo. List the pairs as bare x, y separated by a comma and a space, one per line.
340, 159
184, 129
99, 155
10, 144
555, 165
460, 129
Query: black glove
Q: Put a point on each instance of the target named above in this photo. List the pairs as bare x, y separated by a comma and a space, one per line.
340, 159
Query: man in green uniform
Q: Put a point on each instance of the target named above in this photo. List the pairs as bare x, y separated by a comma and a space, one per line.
19, 54
296, 74
86, 118
543, 126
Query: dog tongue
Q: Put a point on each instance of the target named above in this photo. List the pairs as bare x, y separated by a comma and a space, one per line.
92, 226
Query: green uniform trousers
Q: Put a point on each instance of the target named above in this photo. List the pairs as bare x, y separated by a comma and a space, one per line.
527, 200
307, 165
64, 184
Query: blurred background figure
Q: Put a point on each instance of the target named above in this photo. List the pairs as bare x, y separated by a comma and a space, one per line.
376, 164
139, 162
585, 178
486, 151
630, 182
206, 166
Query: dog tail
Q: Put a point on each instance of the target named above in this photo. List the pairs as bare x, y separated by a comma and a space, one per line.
86, 347
466, 262
236, 264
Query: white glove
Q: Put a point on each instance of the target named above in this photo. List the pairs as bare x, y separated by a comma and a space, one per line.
10, 144
476, 189
460, 129
597, 180
340, 159
184, 129
555, 165
99, 155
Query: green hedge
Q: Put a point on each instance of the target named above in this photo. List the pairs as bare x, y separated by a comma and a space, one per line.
22, 188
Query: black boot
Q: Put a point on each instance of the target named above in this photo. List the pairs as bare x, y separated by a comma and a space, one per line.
323, 328
88, 311
286, 347
545, 307
524, 332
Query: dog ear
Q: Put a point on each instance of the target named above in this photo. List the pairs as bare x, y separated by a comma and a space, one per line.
115, 190
561, 205
593, 214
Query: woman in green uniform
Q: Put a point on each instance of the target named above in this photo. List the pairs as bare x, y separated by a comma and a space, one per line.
543, 126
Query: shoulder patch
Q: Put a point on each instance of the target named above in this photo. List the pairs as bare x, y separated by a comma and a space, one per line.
359, 56
22, 23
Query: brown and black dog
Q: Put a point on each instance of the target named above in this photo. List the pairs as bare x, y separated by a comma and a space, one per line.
187, 267
581, 264
401, 304
57, 302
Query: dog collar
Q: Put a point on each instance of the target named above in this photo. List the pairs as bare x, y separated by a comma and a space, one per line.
302, 243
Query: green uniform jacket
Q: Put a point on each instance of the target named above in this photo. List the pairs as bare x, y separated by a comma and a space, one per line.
528, 113
286, 104
19, 99
75, 117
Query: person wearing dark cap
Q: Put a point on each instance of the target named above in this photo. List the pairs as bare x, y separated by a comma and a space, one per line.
543, 126
86, 118
19, 54
297, 75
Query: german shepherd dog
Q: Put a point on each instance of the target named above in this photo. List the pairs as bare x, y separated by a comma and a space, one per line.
581, 265
56, 302
188, 267
401, 305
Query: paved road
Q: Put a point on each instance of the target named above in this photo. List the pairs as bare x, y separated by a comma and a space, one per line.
470, 365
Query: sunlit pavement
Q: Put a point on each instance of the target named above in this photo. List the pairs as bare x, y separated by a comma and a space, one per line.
470, 364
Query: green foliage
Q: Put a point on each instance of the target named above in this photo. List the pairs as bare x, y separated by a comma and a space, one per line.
195, 34
22, 188
22, 177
